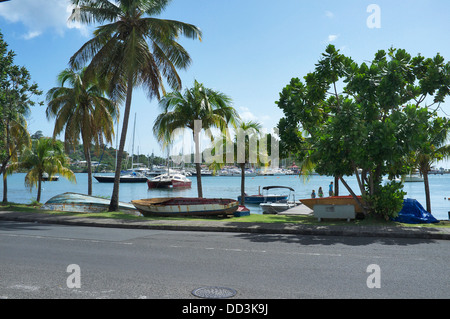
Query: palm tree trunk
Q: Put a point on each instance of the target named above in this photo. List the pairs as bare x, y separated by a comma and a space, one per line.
198, 160
5, 188
114, 204
198, 169
38, 199
87, 155
242, 183
427, 191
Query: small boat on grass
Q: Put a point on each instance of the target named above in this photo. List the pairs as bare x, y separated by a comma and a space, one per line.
169, 181
182, 206
80, 203
334, 200
271, 206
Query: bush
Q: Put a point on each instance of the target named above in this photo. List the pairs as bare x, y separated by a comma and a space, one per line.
388, 201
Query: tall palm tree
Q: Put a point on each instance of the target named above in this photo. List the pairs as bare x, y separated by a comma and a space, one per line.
251, 129
132, 49
180, 111
433, 150
45, 156
81, 108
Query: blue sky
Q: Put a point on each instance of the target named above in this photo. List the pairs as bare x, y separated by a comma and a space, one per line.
250, 50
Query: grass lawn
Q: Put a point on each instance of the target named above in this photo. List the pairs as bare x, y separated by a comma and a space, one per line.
253, 218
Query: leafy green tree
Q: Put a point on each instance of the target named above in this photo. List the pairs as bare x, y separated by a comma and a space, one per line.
363, 120
132, 48
182, 110
81, 109
16, 94
45, 156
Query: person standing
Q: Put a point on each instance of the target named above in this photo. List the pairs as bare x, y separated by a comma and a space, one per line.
330, 191
313, 194
320, 192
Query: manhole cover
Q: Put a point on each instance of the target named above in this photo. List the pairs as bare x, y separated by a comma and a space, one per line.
214, 292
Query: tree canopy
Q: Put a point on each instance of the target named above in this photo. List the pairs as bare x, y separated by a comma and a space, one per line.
364, 119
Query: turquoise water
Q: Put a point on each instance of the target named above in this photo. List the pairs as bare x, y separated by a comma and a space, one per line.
224, 187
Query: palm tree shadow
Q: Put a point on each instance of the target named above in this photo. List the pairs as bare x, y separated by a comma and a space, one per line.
331, 240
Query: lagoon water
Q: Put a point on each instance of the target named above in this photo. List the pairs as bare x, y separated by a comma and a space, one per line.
225, 187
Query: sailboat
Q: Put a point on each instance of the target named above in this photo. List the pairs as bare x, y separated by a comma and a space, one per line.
133, 177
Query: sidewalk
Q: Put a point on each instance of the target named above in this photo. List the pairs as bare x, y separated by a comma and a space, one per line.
229, 226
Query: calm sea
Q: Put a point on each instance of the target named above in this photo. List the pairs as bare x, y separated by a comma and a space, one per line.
224, 187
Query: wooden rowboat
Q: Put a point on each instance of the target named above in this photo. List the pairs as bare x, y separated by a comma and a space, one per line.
335, 200
181, 206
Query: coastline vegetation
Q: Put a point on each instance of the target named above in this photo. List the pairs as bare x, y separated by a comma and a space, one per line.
343, 119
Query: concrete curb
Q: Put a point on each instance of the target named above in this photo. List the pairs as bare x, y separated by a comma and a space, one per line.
235, 227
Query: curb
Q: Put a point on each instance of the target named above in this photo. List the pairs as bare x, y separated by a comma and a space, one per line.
252, 228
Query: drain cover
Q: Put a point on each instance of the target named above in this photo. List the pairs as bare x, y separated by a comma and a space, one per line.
214, 292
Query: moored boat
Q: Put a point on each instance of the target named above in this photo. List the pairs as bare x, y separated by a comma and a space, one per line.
334, 200
126, 178
182, 206
261, 198
169, 180
80, 203
270, 206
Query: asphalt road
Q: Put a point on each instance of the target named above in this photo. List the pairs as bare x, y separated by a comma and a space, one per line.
35, 262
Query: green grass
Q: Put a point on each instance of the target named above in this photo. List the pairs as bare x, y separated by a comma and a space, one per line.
253, 218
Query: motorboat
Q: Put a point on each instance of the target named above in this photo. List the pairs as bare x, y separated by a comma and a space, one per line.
181, 206
46, 178
169, 180
278, 206
264, 197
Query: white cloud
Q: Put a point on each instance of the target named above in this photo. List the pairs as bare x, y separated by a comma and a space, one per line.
39, 16
329, 14
333, 37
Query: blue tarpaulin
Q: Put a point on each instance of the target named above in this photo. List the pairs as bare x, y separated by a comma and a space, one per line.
414, 213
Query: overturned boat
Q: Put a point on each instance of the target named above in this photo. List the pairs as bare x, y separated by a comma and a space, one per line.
80, 203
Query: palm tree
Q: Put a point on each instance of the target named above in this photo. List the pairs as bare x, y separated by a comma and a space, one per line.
198, 103
250, 129
433, 150
132, 49
17, 138
81, 108
45, 156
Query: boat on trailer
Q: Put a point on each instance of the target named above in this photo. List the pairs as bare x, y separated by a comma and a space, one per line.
183, 206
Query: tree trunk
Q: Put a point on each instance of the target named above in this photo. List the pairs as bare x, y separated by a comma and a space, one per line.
427, 191
38, 199
5, 188
114, 204
198, 169
87, 155
242, 184
198, 161
354, 196
336, 186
